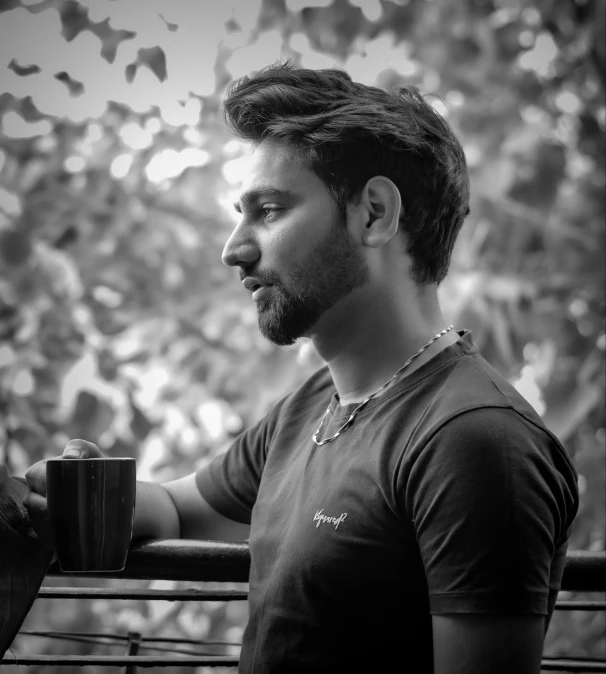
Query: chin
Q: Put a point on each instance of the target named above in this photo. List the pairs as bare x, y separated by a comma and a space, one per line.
277, 333
283, 333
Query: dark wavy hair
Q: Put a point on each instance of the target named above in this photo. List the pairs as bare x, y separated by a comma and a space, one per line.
347, 132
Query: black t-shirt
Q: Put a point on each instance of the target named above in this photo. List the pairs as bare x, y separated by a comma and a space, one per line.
446, 495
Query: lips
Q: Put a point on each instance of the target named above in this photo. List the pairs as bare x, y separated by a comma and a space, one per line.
261, 292
251, 283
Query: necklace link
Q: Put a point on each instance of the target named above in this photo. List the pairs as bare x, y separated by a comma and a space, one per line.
372, 395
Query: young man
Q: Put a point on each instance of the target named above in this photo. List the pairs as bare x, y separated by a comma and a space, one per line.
406, 509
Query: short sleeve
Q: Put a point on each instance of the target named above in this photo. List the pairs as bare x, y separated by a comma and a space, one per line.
231, 481
492, 497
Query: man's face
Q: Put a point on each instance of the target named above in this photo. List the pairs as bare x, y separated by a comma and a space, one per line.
292, 246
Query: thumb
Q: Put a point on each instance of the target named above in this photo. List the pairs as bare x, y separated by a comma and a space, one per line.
81, 449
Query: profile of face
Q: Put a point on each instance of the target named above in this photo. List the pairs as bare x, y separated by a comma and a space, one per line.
292, 246
325, 275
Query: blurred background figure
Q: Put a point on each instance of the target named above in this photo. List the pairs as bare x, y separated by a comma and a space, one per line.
118, 321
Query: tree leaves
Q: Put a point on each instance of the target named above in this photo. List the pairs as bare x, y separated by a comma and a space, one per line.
152, 57
86, 233
15, 246
113, 298
21, 70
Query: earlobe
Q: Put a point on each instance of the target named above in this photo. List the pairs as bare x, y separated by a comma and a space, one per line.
383, 203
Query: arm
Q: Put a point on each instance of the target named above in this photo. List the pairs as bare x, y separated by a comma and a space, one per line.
491, 499
173, 510
196, 517
487, 644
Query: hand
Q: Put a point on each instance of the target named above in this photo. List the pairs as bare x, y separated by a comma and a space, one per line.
35, 499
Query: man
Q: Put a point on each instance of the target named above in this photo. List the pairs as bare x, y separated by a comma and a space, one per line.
406, 508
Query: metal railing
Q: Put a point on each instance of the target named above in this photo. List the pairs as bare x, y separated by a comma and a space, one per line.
204, 561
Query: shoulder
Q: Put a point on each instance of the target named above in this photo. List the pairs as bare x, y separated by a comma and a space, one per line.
493, 462
491, 440
472, 383
468, 396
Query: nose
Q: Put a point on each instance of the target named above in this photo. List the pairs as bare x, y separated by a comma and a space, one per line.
240, 249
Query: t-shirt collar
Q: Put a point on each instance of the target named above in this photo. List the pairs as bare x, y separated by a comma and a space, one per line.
462, 346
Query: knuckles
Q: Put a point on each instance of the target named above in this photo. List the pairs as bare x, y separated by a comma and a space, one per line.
81, 449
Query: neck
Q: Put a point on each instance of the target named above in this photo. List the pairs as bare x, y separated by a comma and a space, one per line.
370, 335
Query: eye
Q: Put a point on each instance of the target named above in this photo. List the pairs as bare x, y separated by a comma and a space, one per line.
271, 212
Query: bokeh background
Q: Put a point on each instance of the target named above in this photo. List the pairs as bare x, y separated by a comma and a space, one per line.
118, 322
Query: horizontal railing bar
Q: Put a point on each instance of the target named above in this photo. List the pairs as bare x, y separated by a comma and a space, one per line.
220, 595
120, 638
123, 660
105, 642
547, 664
581, 605
165, 595
571, 665
584, 571
186, 560
230, 562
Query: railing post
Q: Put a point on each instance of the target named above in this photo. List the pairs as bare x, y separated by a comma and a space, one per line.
134, 641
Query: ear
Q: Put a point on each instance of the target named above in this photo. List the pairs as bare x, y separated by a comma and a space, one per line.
380, 204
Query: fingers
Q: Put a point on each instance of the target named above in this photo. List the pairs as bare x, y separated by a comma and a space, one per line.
36, 478
81, 449
75, 449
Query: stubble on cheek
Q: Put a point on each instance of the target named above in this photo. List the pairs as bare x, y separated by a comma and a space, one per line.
327, 274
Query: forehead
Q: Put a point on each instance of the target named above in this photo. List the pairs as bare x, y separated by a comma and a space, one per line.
274, 166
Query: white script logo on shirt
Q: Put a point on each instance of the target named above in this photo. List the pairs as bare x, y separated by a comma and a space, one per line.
320, 518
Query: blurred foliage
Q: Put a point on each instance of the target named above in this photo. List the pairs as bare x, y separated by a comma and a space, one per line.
118, 322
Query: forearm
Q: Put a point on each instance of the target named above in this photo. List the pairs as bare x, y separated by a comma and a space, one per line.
156, 516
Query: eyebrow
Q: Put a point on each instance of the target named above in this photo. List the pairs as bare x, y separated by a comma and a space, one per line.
253, 196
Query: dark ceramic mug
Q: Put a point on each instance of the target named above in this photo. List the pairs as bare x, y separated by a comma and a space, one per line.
91, 506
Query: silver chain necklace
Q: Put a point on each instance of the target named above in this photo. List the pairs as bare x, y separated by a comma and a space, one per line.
372, 395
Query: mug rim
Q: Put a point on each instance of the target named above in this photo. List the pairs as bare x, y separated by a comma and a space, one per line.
91, 458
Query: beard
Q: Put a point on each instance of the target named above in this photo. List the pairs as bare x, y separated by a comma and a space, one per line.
330, 272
